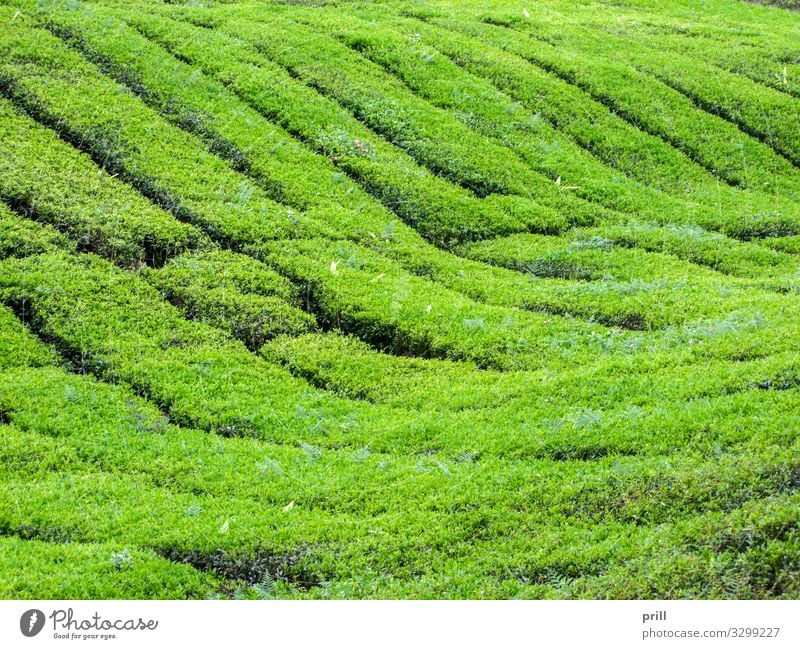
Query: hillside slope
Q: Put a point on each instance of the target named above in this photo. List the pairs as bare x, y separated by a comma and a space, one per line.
399, 299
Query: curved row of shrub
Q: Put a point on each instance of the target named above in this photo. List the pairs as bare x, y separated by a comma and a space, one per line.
234, 293
172, 168
657, 109
49, 181
760, 111
489, 112
439, 210
250, 523
753, 61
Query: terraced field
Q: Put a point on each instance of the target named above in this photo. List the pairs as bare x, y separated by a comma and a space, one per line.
399, 299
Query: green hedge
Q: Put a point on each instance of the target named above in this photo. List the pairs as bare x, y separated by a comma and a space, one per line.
234, 293
48, 180
172, 168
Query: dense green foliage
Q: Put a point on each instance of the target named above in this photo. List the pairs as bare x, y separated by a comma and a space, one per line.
399, 299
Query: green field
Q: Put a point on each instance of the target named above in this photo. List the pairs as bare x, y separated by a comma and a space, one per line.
398, 299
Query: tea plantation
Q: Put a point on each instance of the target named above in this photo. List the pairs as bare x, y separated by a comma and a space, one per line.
399, 299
